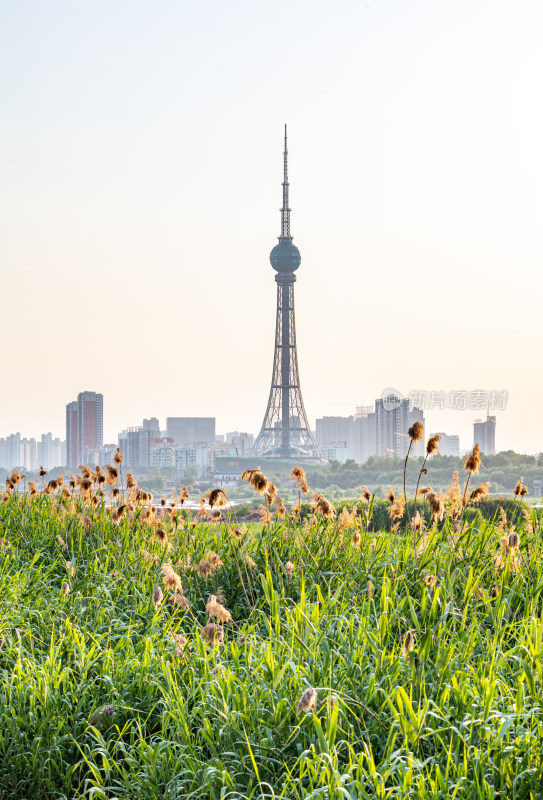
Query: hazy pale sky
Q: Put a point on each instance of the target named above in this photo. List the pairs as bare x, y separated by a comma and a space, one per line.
140, 182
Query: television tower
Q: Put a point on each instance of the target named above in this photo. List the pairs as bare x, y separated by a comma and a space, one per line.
285, 431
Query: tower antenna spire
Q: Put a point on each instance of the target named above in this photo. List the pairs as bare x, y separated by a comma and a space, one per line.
285, 211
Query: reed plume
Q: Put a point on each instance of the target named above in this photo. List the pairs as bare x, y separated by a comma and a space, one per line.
308, 700
118, 457
157, 597
217, 610
216, 497
408, 644
472, 464
479, 492
365, 494
212, 634
321, 505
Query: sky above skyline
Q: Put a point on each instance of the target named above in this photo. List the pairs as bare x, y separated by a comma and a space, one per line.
141, 169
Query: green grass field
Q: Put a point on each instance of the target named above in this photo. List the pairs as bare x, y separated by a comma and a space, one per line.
425, 649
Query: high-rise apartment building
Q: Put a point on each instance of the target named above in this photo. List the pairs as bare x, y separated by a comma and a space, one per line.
381, 433
484, 434
72, 435
364, 440
152, 425
45, 445
190, 430
393, 420
84, 426
28, 454
331, 430
197, 458
135, 444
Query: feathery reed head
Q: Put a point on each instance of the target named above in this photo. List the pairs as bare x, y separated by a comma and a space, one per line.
415, 431
157, 597
212, 634
437, 507
308, 700
397, 509
477, 493
215, 609
473, 462
408, 644
118, 457
432, 445
216, 497
161, 535
298, 475
321, 505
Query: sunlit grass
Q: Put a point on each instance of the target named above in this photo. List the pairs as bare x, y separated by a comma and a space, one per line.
459, 716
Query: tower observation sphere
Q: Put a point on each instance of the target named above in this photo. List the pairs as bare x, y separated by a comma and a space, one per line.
285, 257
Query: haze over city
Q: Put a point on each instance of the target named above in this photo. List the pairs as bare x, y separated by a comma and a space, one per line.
141, 161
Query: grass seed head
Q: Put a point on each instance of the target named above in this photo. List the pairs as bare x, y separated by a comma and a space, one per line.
215, 498
157, 597
212, 634
102, 717
415, 431
408, 644
479, 492
204, 568
308, 700
473, 462
321, 505
397, 509
217, 610
365, 494
298, 475
432, 445
161, 535
437, 507
118, 457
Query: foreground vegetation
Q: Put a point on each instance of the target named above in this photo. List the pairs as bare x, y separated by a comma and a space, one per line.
148, 653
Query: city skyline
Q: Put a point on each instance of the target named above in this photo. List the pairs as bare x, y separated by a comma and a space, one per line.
434, 423
139, 180
379, 429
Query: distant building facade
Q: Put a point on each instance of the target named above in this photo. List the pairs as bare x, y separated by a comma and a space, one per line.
449, 444
29, 454
392, 423
196, 457
84, 426
335, 452
381, 432
239, 444
484, 434
190, 430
